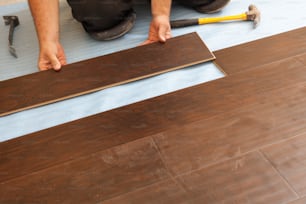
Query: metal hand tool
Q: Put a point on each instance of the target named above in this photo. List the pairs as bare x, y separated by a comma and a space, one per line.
13, 21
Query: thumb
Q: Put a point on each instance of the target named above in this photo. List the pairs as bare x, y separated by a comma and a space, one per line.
55, 63
162, 34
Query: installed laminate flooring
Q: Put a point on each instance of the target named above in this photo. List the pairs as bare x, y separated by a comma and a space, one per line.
299, 201
130, 166
149, 117
102, 72
239, 139
249, 55
230, 180
289, 158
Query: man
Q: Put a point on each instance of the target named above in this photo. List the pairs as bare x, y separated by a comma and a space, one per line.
103, 20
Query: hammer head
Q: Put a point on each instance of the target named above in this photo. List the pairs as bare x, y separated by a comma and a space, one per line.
253, 15
11, 20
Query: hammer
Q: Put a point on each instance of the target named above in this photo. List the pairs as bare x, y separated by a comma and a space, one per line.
13, 22
253, 14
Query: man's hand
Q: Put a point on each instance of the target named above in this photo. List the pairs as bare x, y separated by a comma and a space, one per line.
46, 19
51, 56
160, 30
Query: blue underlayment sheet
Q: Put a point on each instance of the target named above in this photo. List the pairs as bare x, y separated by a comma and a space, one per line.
277, 17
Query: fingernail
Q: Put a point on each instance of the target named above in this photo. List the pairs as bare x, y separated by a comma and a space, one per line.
57, 67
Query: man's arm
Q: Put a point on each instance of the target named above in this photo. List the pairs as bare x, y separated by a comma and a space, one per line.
160, 29
46, 19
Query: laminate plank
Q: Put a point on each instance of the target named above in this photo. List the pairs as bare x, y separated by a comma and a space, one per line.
164, 192
289, 158
302, 59
90, 179
299, 201
276, 116
252, 54
102, 72
62, 143
248, 179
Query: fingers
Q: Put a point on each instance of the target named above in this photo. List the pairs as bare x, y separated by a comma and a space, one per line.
50, 63
42, 67
61, 55
159, 31
63, 61
146, 42
161, 35
55, 63
164, 33
53, 57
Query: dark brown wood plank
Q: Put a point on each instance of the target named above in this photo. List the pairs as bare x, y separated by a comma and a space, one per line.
91, 179
160, 193
102, 72
252, 54
277, 115
302, 58
248, 179
299, 201
289, 158
174, 110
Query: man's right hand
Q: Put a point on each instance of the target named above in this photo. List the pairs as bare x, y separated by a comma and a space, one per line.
46, 19
51, 56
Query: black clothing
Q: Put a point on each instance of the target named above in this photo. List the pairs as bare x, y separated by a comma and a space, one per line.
109, 19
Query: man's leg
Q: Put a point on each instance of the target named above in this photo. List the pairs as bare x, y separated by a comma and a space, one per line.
205, 6
104, 19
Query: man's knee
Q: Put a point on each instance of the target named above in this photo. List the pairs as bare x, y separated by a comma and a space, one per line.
193, 3
97, 15
205, 6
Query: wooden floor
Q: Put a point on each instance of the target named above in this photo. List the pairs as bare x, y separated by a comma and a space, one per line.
239, 139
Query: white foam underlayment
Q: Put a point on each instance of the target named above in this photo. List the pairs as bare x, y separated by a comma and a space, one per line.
277, 17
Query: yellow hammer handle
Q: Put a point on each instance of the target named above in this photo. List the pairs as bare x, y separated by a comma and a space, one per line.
242, 16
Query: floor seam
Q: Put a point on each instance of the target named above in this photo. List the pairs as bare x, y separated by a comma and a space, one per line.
264, 156
172, 176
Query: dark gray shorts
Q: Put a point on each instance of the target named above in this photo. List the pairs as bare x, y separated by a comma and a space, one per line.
97, 15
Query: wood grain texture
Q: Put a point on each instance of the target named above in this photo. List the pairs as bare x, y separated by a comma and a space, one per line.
247, 179
164, 192
302, 58
134, 172
102, 72
205, 142
290, 159
299, 201
263, 51
90, 179
171, 111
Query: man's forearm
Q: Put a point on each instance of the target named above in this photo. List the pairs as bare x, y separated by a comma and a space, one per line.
161, 7
46, 18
